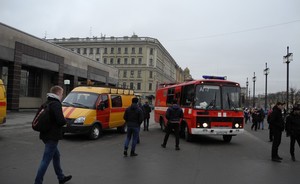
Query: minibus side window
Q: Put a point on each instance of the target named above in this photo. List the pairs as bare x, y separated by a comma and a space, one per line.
116, 101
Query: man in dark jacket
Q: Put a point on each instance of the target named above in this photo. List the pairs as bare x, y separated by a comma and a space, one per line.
133, 117
293, 129
255, 119
174, 114
270, 130
147, 111
277, 126
51, 137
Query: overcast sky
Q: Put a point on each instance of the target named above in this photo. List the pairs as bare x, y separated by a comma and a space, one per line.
234, 38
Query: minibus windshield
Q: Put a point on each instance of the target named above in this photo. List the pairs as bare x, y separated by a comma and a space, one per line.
81, 100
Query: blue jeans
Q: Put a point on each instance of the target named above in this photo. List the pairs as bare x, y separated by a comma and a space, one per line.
50, 153
132, 132
262, 125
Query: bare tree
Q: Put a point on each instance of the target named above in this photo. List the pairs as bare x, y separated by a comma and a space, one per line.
292, 96
297, 97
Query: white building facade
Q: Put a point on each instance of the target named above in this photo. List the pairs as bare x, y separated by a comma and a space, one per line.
142, 62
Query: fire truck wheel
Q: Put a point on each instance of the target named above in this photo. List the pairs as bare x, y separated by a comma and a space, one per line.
95, 132
188, 137
227, 138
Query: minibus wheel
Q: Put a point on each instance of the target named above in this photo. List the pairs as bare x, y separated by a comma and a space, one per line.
95, 132
122, 129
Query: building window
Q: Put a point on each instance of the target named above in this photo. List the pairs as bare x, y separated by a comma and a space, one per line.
98, 51
131, 85
125, 61
105, 60
126, 50
131, 73
84, 50
97, 59
78, 50
4, 75
132, 50
140, 50
138, 86
140, 61
151, 62
30, 85
91, 50
105, 50
118, 61
150, 86
119, 50
124, 74
111, 61
150, 74
112, 50
139, 74
132, 61
124, 85
151, 51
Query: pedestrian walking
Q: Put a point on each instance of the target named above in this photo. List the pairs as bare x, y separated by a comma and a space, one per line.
174, 114
277, 126
51, 137
255, 119
269, 127
293, 129
246, 115
147, 111
261, 113
141, 107
133, 117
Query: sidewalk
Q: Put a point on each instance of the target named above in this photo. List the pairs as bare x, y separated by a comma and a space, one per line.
20, 118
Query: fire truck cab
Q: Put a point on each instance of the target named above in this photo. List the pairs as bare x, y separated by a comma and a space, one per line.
212, 106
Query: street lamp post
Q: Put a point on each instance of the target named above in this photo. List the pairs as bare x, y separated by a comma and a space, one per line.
266, 72
249, 95
287, 59
254, 79
247, 83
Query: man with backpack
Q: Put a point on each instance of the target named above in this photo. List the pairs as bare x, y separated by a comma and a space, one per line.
52, 136
174, 114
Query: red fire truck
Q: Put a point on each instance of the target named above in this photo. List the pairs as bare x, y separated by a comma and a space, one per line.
211, 106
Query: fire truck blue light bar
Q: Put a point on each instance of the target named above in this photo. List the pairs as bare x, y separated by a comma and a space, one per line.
214, 77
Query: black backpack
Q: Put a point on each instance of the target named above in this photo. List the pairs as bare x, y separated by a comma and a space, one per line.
41, 121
